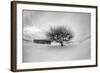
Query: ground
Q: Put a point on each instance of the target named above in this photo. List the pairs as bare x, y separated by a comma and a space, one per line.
46, 53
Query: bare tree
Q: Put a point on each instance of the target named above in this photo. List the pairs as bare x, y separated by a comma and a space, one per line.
59, 34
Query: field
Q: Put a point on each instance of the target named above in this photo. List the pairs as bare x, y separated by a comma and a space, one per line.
45, 52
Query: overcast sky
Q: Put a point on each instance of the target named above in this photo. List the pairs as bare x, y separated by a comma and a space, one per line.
36, 23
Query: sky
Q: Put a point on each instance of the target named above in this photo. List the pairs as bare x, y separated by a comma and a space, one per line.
37, 23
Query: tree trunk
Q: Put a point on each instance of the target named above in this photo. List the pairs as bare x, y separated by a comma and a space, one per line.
61, 43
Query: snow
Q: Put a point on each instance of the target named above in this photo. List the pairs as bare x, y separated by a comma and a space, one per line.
45, 52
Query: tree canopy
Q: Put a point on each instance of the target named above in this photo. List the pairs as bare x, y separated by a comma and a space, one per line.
59, 34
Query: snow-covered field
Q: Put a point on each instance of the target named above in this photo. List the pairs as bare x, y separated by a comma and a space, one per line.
44, 52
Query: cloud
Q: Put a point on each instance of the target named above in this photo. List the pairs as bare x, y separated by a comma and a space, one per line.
33, 32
